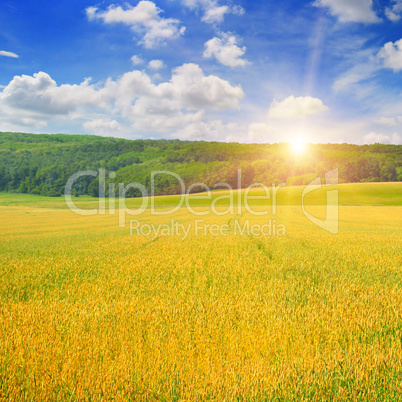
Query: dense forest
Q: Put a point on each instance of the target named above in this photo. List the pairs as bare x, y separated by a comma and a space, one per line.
42, 163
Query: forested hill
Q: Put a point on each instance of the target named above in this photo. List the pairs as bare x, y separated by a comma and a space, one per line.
42, 163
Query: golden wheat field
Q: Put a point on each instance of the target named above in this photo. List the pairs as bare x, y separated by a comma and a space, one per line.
90, 312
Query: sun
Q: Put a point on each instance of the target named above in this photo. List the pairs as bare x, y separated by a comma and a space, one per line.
298, 147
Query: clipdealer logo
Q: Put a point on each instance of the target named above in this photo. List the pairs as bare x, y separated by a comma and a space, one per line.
331, 221
235, 205
202, 228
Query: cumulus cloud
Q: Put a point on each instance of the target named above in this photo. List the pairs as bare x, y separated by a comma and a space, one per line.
295, 108
262, 132
391, 54
373, 138
226, 51
136, 60
156, 64
30, 122
394, 13
200, 91
214, 129
350, 10
102, 126
133, 98
213, 13
40, 93
144, 19
8, 54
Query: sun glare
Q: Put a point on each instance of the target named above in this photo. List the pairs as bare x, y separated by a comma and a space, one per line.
298, 147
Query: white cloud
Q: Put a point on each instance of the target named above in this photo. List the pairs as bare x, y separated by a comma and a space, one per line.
237, 10
358, 73
391, 53
213, 13
226, 51
198, 91
156, 64
40, 93
350, 10
26, 121
8, 54
201, 130
373, 138
144, 19
396, 139
262, 132
214, 130
102, 126
134, 99
294, 108
389, 121
91, 13
394, 13
136, 60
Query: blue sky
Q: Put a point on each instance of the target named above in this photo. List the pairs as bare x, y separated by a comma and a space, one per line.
224, 70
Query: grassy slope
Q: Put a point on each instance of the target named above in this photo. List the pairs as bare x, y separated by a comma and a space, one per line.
386, 194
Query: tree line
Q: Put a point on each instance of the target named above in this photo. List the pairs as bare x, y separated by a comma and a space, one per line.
42, 163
